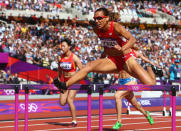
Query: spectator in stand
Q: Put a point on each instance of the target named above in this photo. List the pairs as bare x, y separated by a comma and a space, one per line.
2, 76
15, 79
175, 71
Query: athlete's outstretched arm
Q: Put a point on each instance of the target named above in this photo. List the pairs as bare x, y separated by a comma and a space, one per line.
83, 22
139, 55
121, 31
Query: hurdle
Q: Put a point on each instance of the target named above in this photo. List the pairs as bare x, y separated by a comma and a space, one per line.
82, 88
168, 82
170, 88
89, 92
164, 112
16, 107
88, 89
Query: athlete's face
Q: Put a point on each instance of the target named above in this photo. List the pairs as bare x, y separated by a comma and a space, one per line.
64, 47
100, 19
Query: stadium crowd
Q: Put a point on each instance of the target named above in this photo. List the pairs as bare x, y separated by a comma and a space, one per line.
36, 44
89, 6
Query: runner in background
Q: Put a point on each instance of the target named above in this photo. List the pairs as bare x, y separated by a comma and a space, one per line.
67, 66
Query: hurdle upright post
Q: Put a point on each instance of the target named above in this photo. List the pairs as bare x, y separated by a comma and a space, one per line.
164, 100
16, 106
173, 108
164, 103
89, 92
100, 108
128, 108
171, 97
26, 108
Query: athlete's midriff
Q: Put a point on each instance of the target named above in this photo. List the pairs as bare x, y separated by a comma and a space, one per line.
123, 74
115, 52
68, 74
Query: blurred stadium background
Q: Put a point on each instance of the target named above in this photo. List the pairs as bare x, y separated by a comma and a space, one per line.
30, 29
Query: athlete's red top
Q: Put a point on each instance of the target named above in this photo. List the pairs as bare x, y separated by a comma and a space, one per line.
68, 64
109, 38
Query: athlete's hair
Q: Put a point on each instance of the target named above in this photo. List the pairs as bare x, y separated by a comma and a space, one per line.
113, 16
104, 10
69, 43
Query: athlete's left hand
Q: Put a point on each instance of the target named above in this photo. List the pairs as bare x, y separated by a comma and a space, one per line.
118, 47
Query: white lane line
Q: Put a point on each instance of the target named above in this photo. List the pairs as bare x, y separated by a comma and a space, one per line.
155, 117
108, 118
44, 119
157, 128
47, 123
108, 126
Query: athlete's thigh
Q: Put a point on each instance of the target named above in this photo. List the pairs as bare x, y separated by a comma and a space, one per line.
130, 96
102, 66
126, 93
137, 71
130, 93
72, 94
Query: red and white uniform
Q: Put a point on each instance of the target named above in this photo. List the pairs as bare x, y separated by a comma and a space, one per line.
67, 65
109, 39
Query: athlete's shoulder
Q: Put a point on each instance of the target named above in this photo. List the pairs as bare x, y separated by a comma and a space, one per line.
117, 27
116, 24
75, 57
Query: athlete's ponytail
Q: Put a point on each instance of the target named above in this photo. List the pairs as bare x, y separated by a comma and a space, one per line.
114, 16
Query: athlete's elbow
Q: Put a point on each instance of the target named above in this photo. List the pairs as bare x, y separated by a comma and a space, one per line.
152, 82
133, 40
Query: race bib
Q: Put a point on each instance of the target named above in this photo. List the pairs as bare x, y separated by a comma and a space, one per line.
65, 65
110, 43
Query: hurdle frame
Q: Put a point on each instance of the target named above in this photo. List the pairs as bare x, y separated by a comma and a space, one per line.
16, 107
100, 89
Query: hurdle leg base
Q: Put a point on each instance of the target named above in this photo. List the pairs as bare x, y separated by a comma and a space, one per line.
170, 113
164, 113
128, 112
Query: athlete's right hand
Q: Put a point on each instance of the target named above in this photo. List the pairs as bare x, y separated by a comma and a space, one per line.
117, 47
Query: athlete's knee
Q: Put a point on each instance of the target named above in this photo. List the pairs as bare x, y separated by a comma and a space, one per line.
118, 96
154, 82
62, 103
151, 82
130, 96
70, 99
137, 105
